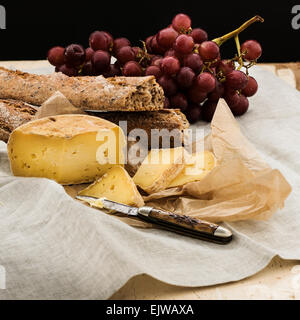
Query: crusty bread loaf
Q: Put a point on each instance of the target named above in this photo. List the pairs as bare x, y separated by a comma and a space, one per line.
168, 119
12, 115
15, 113
85, 93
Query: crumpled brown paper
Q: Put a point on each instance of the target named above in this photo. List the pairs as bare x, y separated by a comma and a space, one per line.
242, 186
57, 104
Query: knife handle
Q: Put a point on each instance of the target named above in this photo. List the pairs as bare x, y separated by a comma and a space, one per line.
186, 225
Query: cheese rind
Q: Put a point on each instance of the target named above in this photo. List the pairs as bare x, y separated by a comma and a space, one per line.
63, 148
115, 185
159, 168
200, 165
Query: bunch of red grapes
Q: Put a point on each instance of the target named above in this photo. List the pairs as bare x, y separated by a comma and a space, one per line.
187, 66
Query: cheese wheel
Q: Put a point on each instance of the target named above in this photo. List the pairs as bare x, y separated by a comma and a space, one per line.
70, 149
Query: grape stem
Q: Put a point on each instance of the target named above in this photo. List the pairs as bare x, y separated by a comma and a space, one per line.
238, 47
233, 34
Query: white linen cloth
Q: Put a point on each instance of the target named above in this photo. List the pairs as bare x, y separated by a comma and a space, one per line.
53, 247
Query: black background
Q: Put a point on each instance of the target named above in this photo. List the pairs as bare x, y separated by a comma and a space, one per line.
34, 27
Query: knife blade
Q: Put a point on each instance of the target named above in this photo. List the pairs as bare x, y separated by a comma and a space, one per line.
181, 224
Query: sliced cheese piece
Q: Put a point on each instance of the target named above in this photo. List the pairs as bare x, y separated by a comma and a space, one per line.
200, 165
115, 185
66, 148
159, 168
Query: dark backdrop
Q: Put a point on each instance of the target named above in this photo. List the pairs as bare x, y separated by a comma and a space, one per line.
34, 27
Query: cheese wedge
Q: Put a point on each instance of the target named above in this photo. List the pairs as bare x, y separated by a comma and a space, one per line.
70, 149
200, 165
115, 185
159, 169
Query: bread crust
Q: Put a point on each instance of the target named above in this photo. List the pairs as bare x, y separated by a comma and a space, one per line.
168, 119
12, 115
85, 93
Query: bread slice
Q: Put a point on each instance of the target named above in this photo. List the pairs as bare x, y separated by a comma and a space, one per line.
85, 93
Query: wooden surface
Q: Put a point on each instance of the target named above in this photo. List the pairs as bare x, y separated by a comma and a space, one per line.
279, 280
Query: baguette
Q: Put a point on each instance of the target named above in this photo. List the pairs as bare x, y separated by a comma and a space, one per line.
12, 115
85, 93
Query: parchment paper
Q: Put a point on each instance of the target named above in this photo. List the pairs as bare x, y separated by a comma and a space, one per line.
242, 186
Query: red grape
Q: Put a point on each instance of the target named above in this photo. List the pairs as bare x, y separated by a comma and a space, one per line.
184, 44
199, 35
120, 43
125, 54
101, 61
170, 53
193, 61
181, 23
156, 61
153, 71
170, 65
56, 56
252, 50
69, 71
208, 110
180, 101
167, 103
155, 47
185, 77
132, 69
195, 95
100, 40
167, 37
231, 97
148, 44
168, 84
209, 50
241, 107
225, 66
74, 55
88, 69
110, 40
251, 87
205, 82
236, 80
113, 71
217, 93
88, 54
193, 113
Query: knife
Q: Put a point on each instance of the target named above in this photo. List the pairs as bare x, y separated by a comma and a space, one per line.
184, 225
